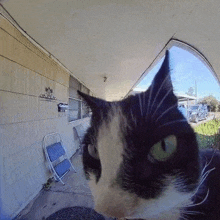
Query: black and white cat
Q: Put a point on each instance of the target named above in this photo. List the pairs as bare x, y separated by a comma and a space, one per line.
142, 159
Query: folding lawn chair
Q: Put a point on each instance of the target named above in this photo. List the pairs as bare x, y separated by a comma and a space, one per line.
80, 131
59, 163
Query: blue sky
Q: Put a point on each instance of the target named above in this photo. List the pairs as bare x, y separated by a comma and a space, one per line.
185, 70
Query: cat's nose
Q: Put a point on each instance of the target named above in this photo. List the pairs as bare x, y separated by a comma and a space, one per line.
112, 201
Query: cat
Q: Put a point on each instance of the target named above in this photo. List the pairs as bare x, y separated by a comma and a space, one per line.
142, 160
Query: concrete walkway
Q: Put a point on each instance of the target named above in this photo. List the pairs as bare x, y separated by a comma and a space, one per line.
75, 192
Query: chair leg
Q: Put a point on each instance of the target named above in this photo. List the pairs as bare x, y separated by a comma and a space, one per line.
62, 182
73, 168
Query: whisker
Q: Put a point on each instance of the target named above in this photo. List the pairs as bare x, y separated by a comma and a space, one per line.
172, 122
203, 177
161, 102
207, 194
133, 118
158, 91
193, 212
166, 112
149, 99
141, 107
185, 212
144, 93
207, 173
206, 165
184, 218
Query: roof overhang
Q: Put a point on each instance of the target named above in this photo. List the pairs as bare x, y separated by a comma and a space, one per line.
108, 44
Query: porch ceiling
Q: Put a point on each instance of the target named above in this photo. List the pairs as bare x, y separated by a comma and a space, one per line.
117, 39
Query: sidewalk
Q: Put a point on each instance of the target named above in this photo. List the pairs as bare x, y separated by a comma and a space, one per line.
75, 192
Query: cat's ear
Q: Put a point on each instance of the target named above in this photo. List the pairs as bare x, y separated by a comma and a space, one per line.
160, 95
95, 104
162, 77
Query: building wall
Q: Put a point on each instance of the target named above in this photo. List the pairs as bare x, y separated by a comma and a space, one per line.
25, 71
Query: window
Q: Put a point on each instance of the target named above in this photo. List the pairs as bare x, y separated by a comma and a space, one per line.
77, 108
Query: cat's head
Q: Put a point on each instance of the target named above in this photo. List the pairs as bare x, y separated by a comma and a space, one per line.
140, 154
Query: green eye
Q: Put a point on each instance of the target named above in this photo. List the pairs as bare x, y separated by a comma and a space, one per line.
162, 150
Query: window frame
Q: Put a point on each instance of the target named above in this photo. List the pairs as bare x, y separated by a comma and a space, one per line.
80, 110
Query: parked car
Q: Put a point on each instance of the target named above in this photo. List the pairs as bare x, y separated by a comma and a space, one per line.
182, 108
197, 112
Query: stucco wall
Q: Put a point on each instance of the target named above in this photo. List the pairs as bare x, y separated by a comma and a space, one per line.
25, 71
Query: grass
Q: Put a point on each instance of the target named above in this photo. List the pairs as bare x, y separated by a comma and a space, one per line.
207, 134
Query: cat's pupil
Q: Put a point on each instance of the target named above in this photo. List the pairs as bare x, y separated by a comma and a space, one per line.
163, 145
93, 151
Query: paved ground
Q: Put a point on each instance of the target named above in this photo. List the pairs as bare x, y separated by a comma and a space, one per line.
75, 192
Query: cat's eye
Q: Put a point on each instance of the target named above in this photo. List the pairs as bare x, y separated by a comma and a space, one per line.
93, 151
164, 149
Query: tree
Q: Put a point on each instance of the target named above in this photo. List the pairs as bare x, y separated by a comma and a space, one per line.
190, 91
211, 101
